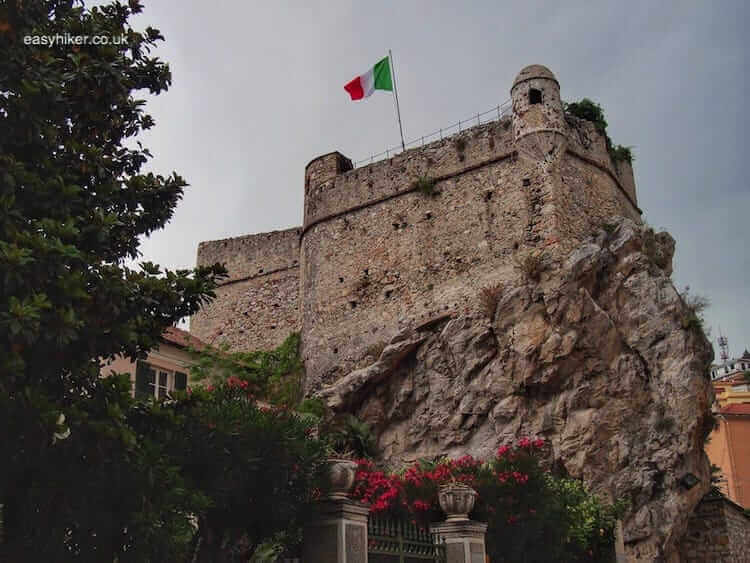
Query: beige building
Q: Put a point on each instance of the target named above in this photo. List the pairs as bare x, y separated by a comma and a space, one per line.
164, 370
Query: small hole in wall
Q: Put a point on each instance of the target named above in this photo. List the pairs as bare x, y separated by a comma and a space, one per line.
260, 271
388, 293
487, 196
353, 304
366, 271
395, 226
526, 182
273, 327
335, 350
428, 215
341, 280
515, 245
535, 96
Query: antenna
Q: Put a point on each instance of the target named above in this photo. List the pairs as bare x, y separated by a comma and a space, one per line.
724, 346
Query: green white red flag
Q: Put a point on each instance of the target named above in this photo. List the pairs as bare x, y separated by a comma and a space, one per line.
377, 78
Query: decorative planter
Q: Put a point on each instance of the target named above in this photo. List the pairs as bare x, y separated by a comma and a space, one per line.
342, 473
457, 500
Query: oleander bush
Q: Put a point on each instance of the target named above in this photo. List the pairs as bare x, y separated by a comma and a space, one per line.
532, 514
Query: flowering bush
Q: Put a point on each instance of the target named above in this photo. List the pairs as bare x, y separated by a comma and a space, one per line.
531, 515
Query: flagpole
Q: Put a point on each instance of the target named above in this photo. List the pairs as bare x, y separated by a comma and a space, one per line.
395, 93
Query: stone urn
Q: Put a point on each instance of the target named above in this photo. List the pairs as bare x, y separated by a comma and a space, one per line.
457, 500
341, 473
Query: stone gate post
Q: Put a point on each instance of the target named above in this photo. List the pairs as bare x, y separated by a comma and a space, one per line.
464, 540
337, 533
337, 529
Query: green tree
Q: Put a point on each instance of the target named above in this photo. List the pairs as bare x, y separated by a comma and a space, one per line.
78, 478
258, 466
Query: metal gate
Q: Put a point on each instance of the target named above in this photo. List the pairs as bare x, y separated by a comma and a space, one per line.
392, 541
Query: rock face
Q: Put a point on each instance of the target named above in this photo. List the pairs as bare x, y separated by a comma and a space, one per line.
598, 356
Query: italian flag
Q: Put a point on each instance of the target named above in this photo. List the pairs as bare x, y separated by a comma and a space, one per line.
377, 78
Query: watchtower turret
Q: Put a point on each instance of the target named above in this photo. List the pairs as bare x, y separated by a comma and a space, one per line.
537, 110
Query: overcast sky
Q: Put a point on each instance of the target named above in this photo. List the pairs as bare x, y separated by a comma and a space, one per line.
258, 92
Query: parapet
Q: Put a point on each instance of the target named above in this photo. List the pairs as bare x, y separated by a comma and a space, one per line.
252, 255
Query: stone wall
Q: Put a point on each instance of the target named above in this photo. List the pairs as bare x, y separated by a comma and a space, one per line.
257, 306
718, 532
378, 254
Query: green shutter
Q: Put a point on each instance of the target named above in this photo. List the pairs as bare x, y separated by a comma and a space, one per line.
180, 381
145, 377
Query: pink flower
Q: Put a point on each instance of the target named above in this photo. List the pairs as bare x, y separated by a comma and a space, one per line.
538, 443
524, 443
502, 450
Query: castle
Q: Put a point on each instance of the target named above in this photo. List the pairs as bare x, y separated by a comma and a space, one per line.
398, 242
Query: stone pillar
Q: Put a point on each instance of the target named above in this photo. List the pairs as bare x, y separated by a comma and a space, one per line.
620, 556
464, 540
337, 533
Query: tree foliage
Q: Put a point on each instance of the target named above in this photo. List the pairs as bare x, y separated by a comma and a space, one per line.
74, 203
259, 467
273, 375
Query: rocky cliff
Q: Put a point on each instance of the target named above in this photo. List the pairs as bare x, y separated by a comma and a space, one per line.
597, 353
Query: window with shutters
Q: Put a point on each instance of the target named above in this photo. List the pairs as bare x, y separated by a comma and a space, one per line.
153, 381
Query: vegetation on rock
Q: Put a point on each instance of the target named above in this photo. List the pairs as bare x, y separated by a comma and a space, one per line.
591, 111
425, 185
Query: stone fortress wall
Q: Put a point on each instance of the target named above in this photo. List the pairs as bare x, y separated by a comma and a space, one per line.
376, 254
257, 305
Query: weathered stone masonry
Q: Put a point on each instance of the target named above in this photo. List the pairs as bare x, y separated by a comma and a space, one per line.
258, 304
375, 254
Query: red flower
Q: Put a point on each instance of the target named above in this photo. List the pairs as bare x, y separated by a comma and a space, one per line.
502, 450
538, 443
524, 443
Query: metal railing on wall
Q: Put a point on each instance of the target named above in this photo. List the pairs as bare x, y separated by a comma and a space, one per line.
493, 114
